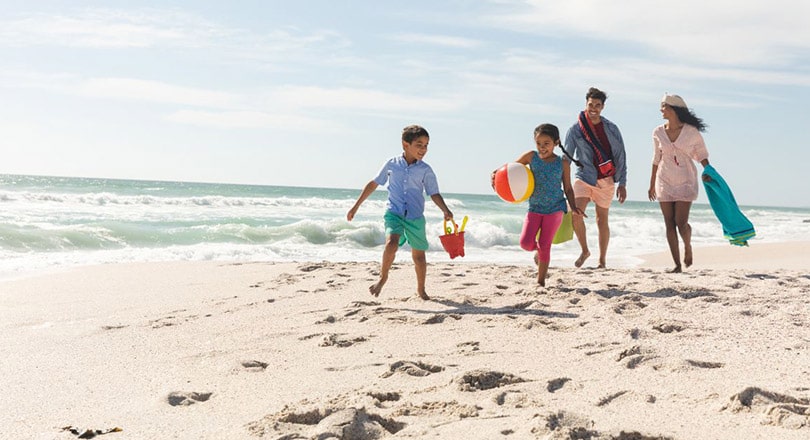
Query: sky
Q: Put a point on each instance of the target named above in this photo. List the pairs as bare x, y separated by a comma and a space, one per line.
315, 93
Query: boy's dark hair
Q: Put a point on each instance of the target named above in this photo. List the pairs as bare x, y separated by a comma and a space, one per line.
549, 130
412, 132
687, 116
595, 93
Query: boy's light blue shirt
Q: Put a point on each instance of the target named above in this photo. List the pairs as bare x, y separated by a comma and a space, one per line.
406, 184
581, 150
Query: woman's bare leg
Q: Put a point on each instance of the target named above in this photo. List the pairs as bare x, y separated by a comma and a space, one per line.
668, 210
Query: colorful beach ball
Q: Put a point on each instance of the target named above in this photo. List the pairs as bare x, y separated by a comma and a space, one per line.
514, 182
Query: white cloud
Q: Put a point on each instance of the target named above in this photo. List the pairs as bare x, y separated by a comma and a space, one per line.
438, 40
108, 28
103, 28
720, 31
360, 99
251, 119
153, 91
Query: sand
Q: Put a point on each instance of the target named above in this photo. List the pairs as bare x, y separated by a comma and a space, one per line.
215, 350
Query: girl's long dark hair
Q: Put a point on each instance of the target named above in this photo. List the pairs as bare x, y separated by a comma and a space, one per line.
688, 117
549, 130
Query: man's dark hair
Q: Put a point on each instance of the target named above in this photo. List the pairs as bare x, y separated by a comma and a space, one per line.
595, 93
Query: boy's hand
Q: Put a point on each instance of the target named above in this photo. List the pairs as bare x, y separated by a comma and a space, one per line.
448, 216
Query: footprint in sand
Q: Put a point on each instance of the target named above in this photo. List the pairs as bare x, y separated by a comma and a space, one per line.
452, 408
593, 348
171, 320
311, 267
556, 384
563, 424
629, 304
668, 327
566, 425
335, 340
634, 356
254, 366
354, 423
381, 397
777, 409
480, 380
180, 398
466, 347
328, 320
418, 369
703, 364
610, 398
439, 318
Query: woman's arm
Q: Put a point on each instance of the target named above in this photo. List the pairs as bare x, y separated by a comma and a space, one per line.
651, 191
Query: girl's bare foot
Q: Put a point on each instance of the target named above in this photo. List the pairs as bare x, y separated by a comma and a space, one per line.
423, 296
602, 264
687, 256
676, 269
582, 257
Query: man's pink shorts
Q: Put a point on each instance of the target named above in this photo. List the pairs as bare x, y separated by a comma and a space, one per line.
601, 194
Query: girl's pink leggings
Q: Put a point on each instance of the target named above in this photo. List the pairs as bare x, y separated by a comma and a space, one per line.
547, 224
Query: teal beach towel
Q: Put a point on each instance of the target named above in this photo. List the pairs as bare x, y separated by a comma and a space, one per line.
736, 227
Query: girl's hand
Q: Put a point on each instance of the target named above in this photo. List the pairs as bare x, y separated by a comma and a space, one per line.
578, 212
492, 179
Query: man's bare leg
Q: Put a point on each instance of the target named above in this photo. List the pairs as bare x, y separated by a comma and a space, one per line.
604, 234
579, 230
390, 252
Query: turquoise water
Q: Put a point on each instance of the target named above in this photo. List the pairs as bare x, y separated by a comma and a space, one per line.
52, 222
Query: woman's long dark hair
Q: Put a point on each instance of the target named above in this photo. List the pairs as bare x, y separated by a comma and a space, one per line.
688, 117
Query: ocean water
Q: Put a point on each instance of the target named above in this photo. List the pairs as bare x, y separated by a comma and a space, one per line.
51, 223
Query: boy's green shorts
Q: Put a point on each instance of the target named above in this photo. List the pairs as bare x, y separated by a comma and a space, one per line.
412, 231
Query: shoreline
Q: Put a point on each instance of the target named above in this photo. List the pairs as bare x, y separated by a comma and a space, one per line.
756, 256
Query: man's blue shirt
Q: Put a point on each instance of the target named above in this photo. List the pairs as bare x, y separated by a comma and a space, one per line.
581, 150
406, 184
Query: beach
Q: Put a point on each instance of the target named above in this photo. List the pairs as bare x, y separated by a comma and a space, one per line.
301, 350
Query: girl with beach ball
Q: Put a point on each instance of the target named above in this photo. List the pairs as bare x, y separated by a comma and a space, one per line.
544, 179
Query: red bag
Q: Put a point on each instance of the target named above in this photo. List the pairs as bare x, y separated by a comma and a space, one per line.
453, 242
606, 169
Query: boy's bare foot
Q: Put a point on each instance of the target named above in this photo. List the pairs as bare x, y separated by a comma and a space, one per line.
687, 256
582, 257
423, 295
376, 288
676, 269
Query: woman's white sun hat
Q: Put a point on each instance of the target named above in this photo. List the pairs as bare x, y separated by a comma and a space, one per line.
673, 100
